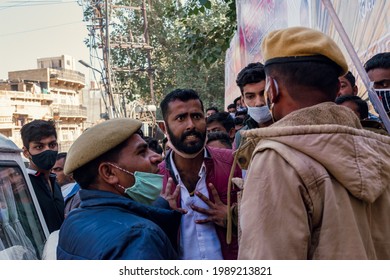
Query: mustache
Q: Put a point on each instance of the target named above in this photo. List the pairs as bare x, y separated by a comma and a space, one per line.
189, 133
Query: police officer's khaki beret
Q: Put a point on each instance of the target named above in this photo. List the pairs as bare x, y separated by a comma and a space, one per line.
296, 44
97, 140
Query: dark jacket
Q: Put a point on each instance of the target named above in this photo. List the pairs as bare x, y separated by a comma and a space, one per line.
218, 165
249, 123
109, 226
51, 203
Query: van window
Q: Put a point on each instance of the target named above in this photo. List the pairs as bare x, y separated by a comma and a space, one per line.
21, 233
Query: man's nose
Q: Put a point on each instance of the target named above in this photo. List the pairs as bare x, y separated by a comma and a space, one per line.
259, 101
156, 158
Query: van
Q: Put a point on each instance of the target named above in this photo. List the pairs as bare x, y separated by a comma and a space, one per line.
23, 230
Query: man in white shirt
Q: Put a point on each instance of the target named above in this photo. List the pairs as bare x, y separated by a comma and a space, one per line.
201, 178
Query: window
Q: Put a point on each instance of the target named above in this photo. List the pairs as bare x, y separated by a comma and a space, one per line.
21, 233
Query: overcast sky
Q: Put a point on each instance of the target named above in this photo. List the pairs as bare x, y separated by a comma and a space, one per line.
35, 29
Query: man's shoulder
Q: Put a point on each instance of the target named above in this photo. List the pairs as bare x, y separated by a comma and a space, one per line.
219, 153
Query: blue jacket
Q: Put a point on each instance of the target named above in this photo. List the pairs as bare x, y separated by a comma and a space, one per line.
108, 226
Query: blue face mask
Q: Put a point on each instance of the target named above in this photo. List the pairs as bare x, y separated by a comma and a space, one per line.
147, 186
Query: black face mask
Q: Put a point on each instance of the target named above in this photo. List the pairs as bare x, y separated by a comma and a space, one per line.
45, 160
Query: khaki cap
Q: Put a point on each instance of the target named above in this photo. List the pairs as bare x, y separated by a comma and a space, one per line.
97, 140
296, 44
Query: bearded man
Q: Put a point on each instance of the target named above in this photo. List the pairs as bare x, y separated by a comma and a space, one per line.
200, 177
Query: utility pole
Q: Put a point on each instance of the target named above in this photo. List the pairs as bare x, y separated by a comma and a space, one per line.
131, 44
102, 14
146, 37
106, 59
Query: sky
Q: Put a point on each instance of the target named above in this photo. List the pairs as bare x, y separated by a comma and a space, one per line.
35, 29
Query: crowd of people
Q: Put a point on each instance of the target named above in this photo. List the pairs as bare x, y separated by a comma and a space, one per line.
297, 167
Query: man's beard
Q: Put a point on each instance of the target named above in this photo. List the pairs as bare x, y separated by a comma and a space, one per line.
179, 144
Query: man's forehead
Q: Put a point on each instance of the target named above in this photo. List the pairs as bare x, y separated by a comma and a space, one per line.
215, 125
192, 104
47, 139
378, 74
344, 80
135, 142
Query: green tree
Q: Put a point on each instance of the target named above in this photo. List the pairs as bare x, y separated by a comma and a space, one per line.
188, 50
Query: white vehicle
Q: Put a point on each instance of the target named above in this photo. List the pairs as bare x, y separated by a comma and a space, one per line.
23, 230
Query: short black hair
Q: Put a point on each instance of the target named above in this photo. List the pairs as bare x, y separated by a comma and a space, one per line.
224, 118
61, 155
221, 136
351, 78
380, 60
178, 94
239, 121
252, 73
231, 106
36, 130
243, 112
362, 105
320, 76
236, 100
88, 173
212, 108
153, 144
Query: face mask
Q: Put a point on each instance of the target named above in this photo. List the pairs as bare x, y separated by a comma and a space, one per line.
384, 97
233, 115
260, 114
45, 160
147, 186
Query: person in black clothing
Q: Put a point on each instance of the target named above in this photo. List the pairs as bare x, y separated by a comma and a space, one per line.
40, 147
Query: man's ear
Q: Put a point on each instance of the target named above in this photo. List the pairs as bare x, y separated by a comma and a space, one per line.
273, 90
355, 90
232, 132
26, 154
107, 173
161, 125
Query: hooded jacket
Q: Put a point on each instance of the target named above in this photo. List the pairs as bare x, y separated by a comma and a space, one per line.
318, 187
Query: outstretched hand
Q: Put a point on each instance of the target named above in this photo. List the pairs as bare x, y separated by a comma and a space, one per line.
172, 197
217, 213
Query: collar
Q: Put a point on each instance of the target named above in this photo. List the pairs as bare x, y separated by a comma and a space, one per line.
38, 173
170, 166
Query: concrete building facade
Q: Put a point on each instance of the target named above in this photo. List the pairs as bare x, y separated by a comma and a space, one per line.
52, 91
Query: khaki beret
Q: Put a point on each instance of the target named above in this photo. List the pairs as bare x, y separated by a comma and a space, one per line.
296, 44
97, 140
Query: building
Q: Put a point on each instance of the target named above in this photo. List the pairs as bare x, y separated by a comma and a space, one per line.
52, 91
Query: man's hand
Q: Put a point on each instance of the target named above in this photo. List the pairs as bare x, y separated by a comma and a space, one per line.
172, 198
217, 213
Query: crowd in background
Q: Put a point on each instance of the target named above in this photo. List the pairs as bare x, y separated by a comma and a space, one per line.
297, 167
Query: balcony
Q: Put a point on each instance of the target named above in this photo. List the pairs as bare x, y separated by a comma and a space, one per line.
69, 111
68, 77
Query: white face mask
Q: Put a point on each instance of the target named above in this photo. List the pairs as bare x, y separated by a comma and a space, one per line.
233, 115
270, 105
260, 114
